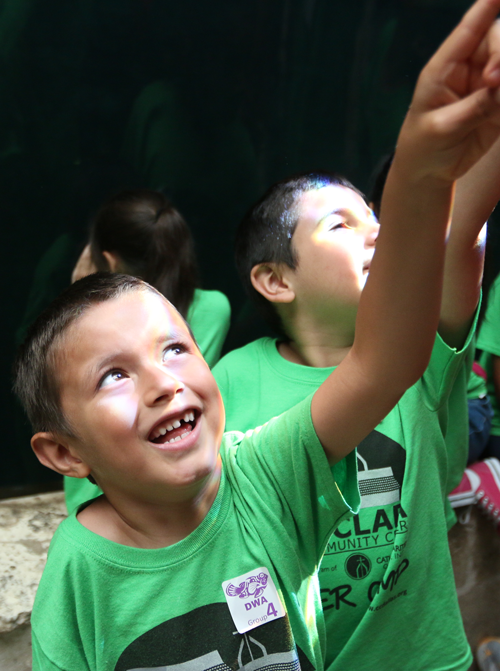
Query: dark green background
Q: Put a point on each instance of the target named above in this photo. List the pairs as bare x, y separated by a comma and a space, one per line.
210, 101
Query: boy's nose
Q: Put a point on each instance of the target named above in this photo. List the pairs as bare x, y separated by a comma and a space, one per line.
372, 231
161, 385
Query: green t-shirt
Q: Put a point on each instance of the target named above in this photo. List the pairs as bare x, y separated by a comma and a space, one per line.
387, 582
209, 315
476, 387
102, 606
488, 341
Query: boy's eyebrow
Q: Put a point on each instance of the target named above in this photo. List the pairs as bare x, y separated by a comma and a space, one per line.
338, 210
344, 211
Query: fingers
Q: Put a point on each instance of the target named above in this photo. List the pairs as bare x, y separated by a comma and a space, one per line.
470, 32
491, 72
471, 112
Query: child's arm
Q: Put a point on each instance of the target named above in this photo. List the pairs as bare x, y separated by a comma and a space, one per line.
477, 193
453, 120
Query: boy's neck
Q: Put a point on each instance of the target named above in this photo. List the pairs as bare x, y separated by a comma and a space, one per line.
147, 524
319, 338
318, 348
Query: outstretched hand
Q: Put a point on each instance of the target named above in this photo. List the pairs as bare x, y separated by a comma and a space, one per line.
454, 117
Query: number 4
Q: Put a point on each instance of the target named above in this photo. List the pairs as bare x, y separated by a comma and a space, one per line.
271, 610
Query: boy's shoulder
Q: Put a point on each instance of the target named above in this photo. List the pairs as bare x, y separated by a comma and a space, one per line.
252, 350
262, 357
244, 362
257, 383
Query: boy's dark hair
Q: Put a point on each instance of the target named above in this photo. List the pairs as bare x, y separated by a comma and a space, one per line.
152, 240
35, 378
265, 234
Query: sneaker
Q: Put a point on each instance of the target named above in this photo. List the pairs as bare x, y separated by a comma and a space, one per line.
466, 492
488, 493
488, 654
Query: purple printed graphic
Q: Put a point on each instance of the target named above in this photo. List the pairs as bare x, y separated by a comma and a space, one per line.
252, 586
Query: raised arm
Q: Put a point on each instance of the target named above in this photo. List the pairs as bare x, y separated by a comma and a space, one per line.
477, 194
453, 120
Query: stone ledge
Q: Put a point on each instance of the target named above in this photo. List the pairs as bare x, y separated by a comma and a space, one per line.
27, 525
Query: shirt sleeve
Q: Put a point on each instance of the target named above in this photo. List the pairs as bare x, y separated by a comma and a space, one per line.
445, 365
281, 474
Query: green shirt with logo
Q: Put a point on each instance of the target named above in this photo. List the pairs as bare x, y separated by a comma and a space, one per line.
387, 584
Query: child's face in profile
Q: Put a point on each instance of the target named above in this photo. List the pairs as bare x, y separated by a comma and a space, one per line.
143, 403
335, 241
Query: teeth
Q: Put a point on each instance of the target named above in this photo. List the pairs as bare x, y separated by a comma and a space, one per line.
161, 431
174, 440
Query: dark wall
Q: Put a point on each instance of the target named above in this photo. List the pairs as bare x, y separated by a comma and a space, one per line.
210, 101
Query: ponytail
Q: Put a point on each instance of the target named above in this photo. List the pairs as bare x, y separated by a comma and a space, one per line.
152, 241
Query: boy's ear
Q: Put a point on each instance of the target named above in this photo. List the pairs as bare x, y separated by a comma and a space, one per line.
274, 284
54, 453
113, 261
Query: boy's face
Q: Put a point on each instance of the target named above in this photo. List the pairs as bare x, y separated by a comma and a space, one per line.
144, 405
335, 241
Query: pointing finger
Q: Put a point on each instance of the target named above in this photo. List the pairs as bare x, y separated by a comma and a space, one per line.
468, 35
491, 73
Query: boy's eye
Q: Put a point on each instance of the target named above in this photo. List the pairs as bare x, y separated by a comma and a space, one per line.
112, 376
340, 224
173, 351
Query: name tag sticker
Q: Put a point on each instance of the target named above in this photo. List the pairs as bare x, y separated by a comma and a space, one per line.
252, 599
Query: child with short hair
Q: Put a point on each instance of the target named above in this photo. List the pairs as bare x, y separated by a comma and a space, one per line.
190, 548
304, 252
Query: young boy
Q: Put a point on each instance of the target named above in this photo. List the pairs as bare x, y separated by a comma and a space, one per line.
303, 253
189, 548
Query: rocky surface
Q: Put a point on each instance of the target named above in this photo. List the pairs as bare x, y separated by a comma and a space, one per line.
15, 649
26, 528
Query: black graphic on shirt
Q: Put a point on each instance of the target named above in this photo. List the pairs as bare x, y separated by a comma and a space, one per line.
358, 566
381, 468
206, 639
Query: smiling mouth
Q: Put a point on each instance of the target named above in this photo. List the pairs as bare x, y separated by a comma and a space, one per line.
173, 430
